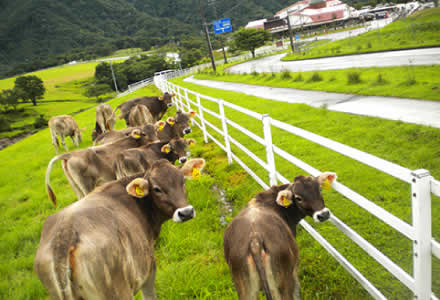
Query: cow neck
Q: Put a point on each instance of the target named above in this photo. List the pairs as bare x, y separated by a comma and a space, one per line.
292, 215
153, 215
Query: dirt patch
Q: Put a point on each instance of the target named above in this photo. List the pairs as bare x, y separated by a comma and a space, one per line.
5, 142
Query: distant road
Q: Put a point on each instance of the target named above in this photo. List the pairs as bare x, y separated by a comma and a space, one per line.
428, 56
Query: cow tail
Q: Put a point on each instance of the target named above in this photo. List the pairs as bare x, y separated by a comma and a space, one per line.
256, 248
50, 192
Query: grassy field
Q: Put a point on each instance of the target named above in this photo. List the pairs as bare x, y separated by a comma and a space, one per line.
418, 30
65, 86
419, 82
408, 145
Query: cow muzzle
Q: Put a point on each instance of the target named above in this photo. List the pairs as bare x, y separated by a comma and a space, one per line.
321, 215
169, 104
184, 214
183, 159
187, 130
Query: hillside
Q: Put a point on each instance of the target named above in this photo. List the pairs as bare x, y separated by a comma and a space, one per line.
36, 30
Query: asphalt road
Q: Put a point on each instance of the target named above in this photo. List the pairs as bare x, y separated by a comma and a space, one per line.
428, 56
407, 110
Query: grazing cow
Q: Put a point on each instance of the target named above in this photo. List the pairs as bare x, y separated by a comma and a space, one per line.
176, 126
156, 105
105, 120
149, 130
103, 246
134, 161
88, 168
259, 244
139, 116
64, 126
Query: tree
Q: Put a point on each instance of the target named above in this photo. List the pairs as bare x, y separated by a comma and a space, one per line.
29, 88
250, 39
8, 100
97, 90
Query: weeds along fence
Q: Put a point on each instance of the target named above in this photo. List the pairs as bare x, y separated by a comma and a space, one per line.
421, 244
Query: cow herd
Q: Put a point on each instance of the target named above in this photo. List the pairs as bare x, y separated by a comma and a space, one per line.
102, 247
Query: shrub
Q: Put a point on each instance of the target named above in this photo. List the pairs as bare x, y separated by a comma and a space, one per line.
285, 75
380, 80
4, 124
298, 77
369, 45
40, 122
315, 77
254, 73
359, 47
354, 78
333, 78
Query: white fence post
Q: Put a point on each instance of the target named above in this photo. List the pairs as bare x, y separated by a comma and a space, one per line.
202, 119
225, 130
188, 103
421, 215
269, 149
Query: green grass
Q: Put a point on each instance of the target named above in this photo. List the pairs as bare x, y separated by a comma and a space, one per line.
418, 30
411, 146
395, 82
65, 86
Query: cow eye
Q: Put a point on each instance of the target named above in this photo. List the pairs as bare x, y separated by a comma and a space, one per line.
157, 190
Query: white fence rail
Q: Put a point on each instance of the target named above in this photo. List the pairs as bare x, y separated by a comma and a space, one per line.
422, 185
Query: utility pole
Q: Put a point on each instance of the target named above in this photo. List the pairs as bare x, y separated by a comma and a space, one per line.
207, 38
114, 78
290, 34
220, 37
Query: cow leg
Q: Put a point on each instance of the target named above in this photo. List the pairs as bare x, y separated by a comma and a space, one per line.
247, 283
63, 142
148, 290
55, 142
297, 287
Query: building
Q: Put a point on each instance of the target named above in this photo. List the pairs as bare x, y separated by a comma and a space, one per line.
257, 24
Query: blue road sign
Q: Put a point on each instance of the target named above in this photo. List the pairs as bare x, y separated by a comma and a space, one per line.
297, 37
222, 25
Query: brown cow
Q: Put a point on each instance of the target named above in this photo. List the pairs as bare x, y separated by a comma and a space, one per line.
105, 120
139, 116
156, 105
150, 131
134, 161
88, 168
64, 126
103, 246
259, 244
176, 126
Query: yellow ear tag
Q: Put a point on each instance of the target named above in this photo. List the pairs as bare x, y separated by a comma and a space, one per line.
136, 135
139, 191
171, 123
161, 127
196, 174
191, 143
326, 184
167, 150
286, 202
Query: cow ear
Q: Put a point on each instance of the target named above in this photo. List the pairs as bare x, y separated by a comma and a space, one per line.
166, 148
160, 98
138, 188
326, 179
192, 114
191, 142
192, 169
171, 121
136, 133
160, 125
284, 198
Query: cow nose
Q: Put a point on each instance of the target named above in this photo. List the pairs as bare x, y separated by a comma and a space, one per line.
182, 160
169, 104
184, 214
187, 130
322, 215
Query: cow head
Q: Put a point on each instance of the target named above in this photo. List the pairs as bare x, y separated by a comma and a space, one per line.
305, 194
182, 122
164, 184
167, 99
150, 133
179, 148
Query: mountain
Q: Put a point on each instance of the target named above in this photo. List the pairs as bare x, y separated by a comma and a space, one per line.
41, 30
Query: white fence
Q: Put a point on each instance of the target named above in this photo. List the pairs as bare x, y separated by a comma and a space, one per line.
422, 185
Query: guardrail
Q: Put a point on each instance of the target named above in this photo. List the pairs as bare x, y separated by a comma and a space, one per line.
422, 185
